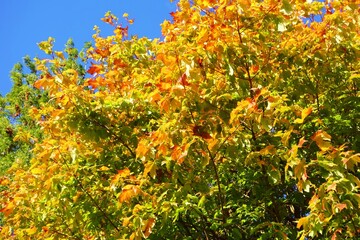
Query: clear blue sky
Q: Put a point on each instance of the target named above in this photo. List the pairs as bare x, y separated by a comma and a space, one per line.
24, 23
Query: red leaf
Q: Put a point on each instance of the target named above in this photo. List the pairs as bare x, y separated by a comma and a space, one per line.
94, 69
198, 131
183, 80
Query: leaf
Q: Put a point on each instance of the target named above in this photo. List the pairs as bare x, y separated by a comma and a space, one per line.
301, 142
275, 176
183, 80
341, 206
322, 139
268, 150
150, 223
8, 209
124, 173
178, 153
202, 201
37, 171
332, 187
31, 231
104, 168
150, 168
286, 136
304, 113
300, 170
128, 192
302, 222
142, 149
47, 46
94, 69
199, 131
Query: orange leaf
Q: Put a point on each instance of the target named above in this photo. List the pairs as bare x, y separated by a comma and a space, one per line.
103, 52
128, 192
331, 187
270, 149
8, 209
341, 206
119, 63
304, 113
124, 172
142, 149
301, 142
121, 174
148, 227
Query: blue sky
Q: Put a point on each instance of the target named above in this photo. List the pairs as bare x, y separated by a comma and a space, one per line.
24, 23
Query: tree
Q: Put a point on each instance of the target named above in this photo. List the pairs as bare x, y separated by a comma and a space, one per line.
19, 131
242, 123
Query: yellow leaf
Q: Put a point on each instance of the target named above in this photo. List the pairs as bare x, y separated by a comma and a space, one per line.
303, 222
126, 221
270, 149
212, 143
322, 139
150, 168
300, 170
286, 136
36, 171
306, 112
31, 231
59, 54
104, 168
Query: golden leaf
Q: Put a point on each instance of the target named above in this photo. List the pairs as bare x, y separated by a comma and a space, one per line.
322, 140
303, 222
31, 231
104, 168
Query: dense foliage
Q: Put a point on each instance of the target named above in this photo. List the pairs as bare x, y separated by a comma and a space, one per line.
242, 123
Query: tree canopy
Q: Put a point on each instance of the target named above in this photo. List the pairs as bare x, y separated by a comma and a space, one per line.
242, 122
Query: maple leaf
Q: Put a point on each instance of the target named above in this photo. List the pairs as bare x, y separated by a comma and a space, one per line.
94, 69
302, 222
8, 209
183, 80
119, 63
199, 131
322, 139
128, 192
147, 229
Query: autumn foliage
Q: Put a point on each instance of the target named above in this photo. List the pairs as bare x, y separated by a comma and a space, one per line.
241, 123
